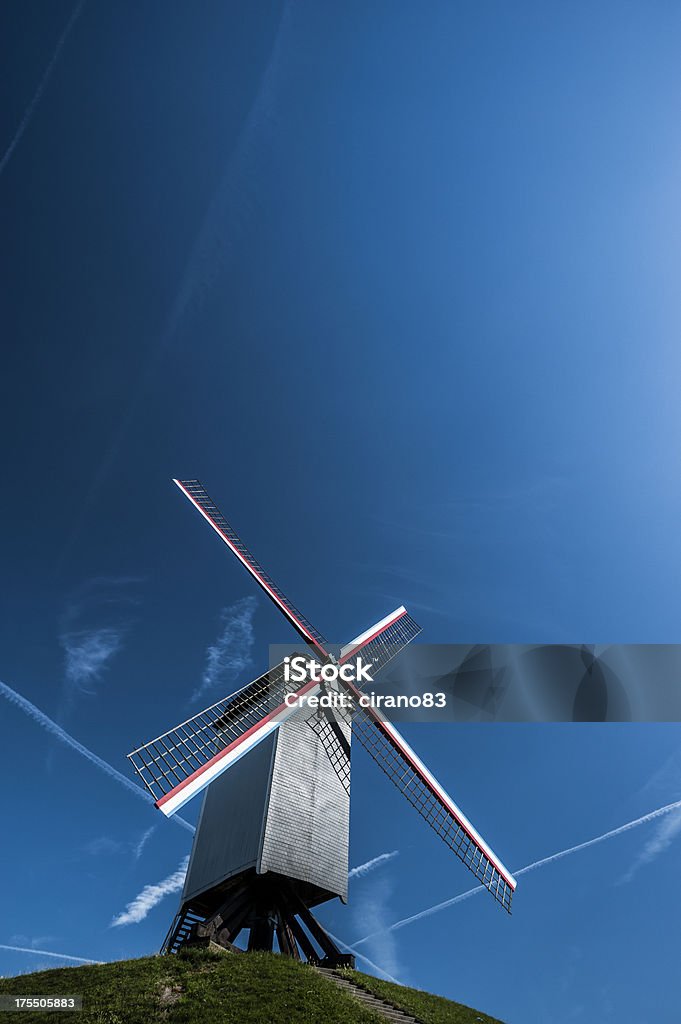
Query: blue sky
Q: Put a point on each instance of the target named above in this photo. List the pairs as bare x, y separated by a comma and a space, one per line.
401, 287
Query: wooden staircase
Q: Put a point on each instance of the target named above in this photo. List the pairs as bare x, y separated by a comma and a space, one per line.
371, 1002
181, 930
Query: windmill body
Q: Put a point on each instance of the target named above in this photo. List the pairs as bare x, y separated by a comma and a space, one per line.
282, 809
272, 837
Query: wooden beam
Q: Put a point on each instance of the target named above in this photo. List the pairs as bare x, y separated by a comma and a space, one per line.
286, 938
313, 926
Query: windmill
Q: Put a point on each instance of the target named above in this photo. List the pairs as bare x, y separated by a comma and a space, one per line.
273, 833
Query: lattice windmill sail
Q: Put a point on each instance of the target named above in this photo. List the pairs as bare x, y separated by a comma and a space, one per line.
293, 851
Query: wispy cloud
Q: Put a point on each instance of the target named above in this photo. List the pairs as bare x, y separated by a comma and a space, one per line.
231, 652
106, 846
64, 737
48, 952
665, 834
99, 591
87, 654
370, 865
47, 74
666, 777
151, 896
660, 812
142, 842
371, 915
92, 628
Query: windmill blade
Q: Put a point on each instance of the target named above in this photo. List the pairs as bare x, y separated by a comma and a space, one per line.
382, 642
402, 765
379, 644
200, 499
179, 764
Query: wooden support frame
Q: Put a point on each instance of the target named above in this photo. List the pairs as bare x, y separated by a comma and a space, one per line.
265, 905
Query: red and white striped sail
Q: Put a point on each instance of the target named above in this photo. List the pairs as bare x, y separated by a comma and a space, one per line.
406, 770
381, 642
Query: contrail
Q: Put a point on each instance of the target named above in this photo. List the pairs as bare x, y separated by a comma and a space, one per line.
643, 820
620, 830
361, 956
363, 869
47, 952
28, 113
214, 249
56, 730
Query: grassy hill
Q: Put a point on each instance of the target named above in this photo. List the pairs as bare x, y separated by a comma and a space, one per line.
198, 986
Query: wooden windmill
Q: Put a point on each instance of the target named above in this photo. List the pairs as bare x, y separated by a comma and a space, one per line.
273, 833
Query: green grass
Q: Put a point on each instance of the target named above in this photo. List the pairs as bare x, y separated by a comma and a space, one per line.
200, 986
426, 1007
